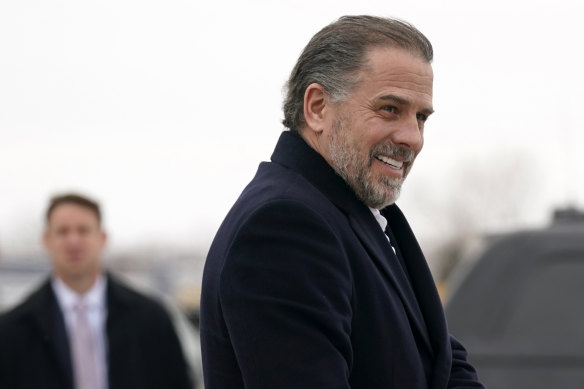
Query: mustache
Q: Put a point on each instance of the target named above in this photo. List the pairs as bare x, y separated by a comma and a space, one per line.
392, 150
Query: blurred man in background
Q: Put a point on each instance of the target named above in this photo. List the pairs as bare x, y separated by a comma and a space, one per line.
314, 279
84, 329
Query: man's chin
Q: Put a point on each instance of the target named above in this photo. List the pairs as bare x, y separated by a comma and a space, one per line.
378, 193
380, 202
79, 272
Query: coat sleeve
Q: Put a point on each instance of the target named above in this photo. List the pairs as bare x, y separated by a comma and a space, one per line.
462, 375
285, 293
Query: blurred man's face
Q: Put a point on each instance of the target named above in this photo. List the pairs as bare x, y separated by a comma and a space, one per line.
75, 241
376, 134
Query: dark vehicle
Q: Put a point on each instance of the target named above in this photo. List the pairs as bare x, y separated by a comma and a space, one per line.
520, 311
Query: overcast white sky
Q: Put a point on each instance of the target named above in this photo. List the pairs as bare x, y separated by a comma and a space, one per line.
163, 109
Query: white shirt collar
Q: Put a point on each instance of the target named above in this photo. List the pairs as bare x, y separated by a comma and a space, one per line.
68, 298
379, 217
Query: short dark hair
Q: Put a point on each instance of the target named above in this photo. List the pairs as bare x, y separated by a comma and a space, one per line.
334, 56
73, 198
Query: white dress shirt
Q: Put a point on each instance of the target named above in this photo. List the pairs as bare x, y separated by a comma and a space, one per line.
95, 301
382, 223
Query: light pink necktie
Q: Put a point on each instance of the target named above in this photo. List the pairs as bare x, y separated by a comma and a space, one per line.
84, 351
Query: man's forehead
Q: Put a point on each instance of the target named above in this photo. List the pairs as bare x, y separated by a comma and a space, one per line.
396, 75
68, 211
397, 61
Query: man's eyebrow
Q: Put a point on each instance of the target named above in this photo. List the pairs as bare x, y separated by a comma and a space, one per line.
402, 101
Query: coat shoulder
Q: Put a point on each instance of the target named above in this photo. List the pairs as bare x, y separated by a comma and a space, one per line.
140, 303
13, 318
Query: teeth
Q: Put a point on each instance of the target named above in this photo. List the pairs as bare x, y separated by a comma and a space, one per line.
389, 161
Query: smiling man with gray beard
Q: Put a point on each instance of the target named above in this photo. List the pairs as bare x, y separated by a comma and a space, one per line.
315, 280
355, 170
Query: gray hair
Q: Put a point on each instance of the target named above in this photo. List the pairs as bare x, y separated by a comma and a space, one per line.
336, 54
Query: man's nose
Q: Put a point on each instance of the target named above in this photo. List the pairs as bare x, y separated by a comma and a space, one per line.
408, 134
73, 237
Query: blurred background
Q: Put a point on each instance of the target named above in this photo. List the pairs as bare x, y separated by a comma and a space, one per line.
163, 110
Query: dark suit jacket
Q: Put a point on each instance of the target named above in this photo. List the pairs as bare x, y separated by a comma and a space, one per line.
143, 348
302, 290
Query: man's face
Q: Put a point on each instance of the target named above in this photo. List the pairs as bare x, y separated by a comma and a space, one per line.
375, 135
74, 240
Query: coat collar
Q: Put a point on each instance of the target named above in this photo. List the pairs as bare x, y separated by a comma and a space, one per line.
120, 301
43, 304
293, 152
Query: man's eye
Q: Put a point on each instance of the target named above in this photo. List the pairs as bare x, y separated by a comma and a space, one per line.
421, 117
389, 108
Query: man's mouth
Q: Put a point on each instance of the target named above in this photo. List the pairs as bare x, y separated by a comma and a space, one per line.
74, 255
389, 161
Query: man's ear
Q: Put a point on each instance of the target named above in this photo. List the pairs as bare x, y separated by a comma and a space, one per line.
45, 238
315, 104
104, 238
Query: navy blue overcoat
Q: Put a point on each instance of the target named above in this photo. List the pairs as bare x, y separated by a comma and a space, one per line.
302, 290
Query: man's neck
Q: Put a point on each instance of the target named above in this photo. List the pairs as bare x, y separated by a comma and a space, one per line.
80, 284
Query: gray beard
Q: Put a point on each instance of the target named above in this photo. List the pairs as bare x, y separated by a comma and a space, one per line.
356, 172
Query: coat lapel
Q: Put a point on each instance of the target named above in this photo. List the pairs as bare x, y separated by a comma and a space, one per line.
381, 253
118, 339
423, 284
51, 326
123, 345
292, 151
